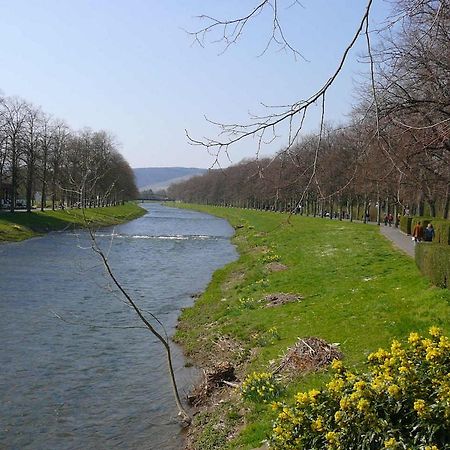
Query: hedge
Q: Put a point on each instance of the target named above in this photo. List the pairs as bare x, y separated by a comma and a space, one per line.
433, 260
442, 231
441, 227
405, 224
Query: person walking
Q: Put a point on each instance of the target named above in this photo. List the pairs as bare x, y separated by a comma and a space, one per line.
429, 233
390, 219
417, 232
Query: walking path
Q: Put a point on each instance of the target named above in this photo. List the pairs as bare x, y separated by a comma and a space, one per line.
399, 239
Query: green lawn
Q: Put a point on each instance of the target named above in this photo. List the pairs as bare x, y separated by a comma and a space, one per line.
22, 225
357, 291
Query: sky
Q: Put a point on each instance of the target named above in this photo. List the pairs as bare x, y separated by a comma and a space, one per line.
131, 68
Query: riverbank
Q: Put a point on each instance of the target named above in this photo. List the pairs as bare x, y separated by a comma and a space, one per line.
21, 225
346, 284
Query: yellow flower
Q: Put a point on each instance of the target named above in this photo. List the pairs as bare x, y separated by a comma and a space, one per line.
414, 338
359, 386
435, 331
301, 398
377, 384
395, 346
432, 447
338, 416
332, 437
363, 405
393, 390
278, 429
336, 364
275, 405
390, 443
379, 355
420, 407
432, 353
317, 425
344, 403
444, 343
350, 376
312, 394
336, 385
355, 396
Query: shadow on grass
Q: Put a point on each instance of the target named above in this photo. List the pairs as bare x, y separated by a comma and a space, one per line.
40, 222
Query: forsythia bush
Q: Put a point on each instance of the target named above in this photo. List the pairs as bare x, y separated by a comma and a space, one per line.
402, 402
260, 386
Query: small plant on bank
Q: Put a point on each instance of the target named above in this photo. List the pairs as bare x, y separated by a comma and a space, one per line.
269, 337
260, 387
263, 282
401, 402
248, 303
271, 257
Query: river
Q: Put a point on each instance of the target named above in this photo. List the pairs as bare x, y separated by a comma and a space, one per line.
72, 376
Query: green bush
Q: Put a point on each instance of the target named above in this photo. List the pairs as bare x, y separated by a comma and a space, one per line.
401, 402
405, 224
433, 261
442, 231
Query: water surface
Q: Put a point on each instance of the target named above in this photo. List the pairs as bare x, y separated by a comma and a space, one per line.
76, 372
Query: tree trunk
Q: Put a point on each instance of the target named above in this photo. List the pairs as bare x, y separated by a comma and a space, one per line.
13, 178
29, 183
44, 182
446, 203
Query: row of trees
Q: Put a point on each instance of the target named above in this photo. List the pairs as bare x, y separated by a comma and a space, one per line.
395, 152
41, 155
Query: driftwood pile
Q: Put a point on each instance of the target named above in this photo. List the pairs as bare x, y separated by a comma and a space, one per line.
213, 378
308, 355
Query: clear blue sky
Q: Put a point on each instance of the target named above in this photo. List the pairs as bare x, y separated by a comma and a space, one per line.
128, 67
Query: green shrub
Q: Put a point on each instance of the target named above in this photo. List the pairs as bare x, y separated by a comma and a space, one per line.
433, 261
442, 231
405, 224
401, 402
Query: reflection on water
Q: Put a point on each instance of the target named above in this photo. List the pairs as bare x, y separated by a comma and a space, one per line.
72, 375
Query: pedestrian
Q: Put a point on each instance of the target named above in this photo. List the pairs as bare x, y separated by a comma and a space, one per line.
390, 219
386, 219
417, 232
429, 233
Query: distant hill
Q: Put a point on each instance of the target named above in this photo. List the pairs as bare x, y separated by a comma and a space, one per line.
157, 178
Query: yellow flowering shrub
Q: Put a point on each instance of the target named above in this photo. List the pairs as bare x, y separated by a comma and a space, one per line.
401, 402
260, 386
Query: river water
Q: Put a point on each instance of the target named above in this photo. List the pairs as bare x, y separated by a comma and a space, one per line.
72, 377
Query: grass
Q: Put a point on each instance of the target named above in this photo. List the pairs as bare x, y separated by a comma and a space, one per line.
358, 291
21, 225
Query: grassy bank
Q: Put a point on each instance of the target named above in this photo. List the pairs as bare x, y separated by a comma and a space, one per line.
21, 225
356, 290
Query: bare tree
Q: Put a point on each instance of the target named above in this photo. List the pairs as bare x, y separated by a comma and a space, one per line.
31, 141
14, 113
